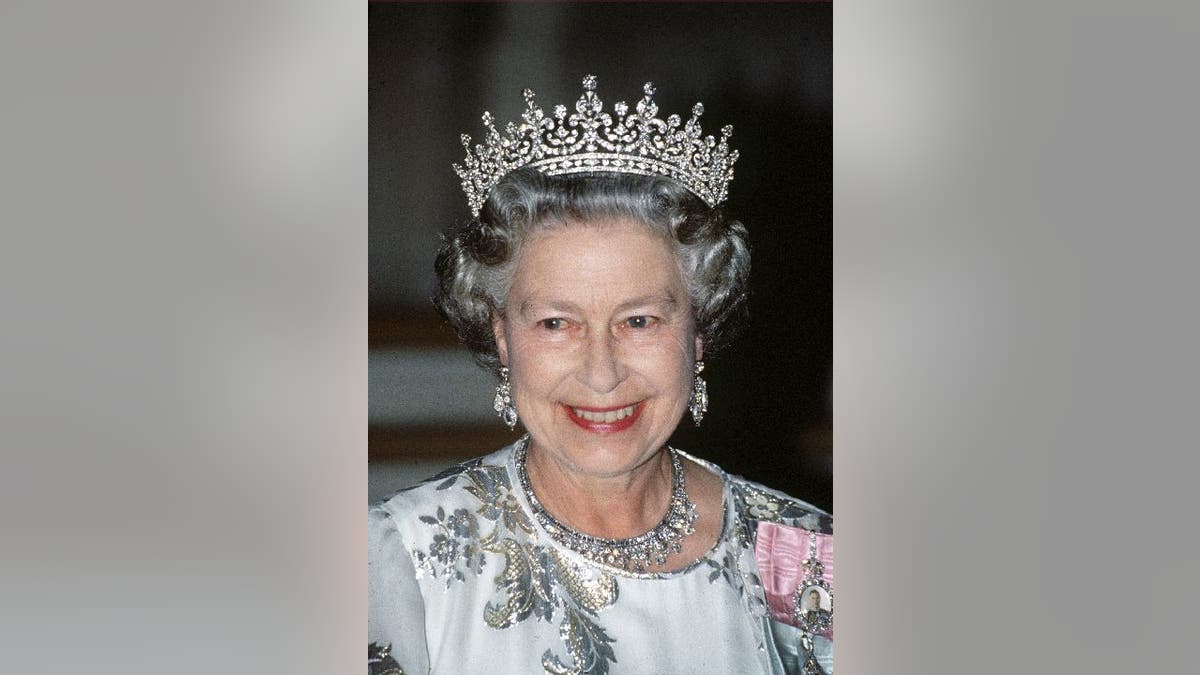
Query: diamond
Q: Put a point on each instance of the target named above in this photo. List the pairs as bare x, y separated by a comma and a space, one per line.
641, 143
633, 554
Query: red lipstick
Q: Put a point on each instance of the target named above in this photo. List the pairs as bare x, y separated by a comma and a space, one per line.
605, 427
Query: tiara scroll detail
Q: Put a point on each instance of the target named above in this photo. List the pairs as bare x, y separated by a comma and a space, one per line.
590, 140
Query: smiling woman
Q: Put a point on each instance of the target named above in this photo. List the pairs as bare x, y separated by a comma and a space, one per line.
597, 273
594, 375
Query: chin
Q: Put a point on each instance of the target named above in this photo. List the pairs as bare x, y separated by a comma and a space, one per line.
612, 455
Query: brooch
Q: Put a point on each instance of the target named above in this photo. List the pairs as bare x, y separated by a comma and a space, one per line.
812, 603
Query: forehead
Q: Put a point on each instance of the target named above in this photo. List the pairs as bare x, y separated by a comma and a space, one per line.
613, 258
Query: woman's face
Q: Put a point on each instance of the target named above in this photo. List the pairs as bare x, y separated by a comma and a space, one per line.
598, 335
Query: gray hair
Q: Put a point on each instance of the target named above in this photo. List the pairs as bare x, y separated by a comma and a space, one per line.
476, 263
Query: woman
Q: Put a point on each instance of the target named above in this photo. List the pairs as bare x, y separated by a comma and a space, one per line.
596, 275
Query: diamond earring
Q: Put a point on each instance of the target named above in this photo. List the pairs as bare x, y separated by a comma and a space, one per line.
699, 402
503, 404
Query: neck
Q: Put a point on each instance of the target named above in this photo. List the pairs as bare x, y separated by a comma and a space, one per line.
618, 506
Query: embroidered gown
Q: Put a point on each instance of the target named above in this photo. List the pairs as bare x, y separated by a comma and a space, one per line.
462, 579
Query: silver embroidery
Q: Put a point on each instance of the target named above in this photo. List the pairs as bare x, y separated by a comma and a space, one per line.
763, 506
590, 589
736, 568
589, 646
498, 504
526, 582
759, 505
453, 551
535, 581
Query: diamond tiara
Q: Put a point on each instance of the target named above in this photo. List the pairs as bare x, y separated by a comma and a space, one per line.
590, 141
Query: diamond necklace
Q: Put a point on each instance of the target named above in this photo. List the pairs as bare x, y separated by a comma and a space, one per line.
634, 554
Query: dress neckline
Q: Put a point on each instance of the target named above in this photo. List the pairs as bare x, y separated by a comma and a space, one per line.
510, 465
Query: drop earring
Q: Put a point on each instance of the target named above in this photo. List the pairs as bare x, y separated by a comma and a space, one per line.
503, 404
699, 402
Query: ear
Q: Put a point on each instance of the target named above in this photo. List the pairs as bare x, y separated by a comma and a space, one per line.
699, 348
501, 341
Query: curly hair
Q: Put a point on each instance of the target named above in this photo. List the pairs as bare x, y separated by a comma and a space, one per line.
476, 262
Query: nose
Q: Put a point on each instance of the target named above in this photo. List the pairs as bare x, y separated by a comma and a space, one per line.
601, 367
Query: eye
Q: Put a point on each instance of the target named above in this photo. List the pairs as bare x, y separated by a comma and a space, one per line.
553, 323
639, 321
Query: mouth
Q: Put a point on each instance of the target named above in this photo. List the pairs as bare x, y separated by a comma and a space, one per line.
605, 420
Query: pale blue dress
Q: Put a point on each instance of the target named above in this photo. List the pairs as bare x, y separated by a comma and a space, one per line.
462, 579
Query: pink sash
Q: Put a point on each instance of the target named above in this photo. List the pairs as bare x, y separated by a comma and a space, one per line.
781, 551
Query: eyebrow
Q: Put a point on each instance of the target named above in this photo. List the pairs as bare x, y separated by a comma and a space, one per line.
555, 305
654, 299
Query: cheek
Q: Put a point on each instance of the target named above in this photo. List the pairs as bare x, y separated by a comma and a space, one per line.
537, 368
670, 366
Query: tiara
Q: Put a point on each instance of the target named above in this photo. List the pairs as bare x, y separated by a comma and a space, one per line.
590, 140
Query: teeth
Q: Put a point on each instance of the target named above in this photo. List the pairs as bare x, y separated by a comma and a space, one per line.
606, 417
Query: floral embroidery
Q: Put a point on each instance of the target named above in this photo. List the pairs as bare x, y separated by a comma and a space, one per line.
737, 569
457, 547
531, 576
762, 506
592, 590
453, 551
756, 505
489, 484
589, 646
526, 582
535, 582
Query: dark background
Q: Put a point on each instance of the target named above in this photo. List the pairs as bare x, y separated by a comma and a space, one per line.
764, 68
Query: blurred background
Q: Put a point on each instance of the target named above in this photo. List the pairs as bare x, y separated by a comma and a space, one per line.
764, 68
